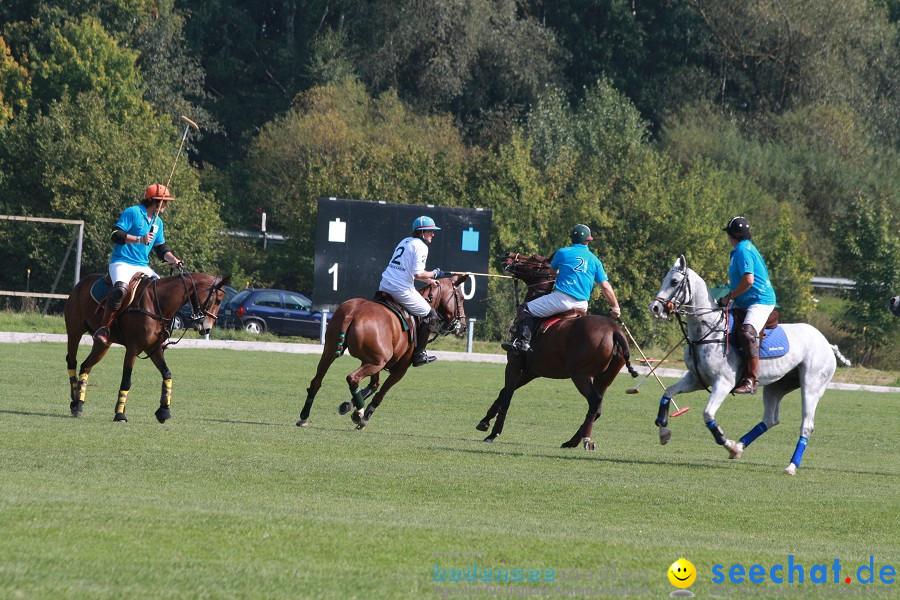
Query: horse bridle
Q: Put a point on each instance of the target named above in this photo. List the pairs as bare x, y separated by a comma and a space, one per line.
448, 326
683, 289
199, 311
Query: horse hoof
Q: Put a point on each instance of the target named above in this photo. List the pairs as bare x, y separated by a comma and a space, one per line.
77, 409
344, 408
490, 438
120, 418
303, 423
569, 444
735, 449
483, 425
359, 419
370, 410
791, 469
588, 444
665, 434
163, 414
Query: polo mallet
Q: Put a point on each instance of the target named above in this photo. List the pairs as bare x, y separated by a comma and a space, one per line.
678, 411
634, 390
483, 274
187, 128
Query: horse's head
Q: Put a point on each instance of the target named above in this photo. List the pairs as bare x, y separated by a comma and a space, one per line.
446, 297
206, 300
534, 270
675, 290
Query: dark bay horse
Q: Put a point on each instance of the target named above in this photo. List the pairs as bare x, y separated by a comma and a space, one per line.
372, 333
144, 325
590, 350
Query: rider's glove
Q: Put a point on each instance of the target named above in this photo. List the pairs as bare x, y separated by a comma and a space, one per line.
724, 301
616, 312
438, 274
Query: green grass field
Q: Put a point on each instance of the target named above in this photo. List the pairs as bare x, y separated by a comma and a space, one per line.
230, 499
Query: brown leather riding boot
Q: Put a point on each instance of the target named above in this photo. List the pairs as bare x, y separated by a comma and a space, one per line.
113, 304
102, 333
750, 380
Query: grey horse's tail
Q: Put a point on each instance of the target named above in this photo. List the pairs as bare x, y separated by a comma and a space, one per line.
621, 345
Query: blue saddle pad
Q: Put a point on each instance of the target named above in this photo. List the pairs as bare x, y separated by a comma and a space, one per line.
775, 343
99, 290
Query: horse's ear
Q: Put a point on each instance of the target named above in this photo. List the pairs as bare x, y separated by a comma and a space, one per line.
682, 261
225, 280
458, 280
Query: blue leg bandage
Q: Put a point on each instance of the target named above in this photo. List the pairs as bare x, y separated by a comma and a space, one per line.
798, 453
753, 434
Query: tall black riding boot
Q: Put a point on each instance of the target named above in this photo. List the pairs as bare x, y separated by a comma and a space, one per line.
420, 357
521, 342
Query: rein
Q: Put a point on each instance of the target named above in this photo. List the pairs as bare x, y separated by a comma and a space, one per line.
447, 326
672, 305
198, 311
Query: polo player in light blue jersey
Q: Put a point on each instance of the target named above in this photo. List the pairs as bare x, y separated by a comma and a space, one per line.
751, 290
577, 270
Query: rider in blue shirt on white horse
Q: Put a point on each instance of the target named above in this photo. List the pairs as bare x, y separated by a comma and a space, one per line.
577, 270
751, 290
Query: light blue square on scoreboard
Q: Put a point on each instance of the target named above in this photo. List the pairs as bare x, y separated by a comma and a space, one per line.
470, 241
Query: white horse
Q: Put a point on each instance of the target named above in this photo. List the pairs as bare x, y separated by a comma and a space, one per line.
809, 364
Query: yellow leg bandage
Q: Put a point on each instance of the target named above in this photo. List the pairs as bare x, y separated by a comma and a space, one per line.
120, 403
165, 398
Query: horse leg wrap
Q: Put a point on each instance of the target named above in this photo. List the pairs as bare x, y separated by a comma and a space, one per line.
753, 434
165, 397
73, 384
358, 400
82, 387
662, 418
307, 406
798, 452
340, 344
716, 430
120, 403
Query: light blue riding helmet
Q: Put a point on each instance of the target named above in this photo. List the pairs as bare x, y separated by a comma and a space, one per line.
424, 223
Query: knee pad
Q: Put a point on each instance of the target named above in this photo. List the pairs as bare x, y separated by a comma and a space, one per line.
117, 294
750, 339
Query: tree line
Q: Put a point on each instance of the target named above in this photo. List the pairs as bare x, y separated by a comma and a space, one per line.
652, 122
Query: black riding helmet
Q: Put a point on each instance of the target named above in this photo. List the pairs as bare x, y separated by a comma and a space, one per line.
738, 228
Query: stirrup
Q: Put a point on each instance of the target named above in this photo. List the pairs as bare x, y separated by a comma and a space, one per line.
747, 386
518, 346
422, 358
102, 335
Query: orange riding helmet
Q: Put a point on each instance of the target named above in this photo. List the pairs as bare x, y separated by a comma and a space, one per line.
157, 191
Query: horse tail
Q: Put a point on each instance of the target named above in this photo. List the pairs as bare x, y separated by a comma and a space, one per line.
621, 344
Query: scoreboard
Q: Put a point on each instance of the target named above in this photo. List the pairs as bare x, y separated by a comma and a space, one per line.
355, 239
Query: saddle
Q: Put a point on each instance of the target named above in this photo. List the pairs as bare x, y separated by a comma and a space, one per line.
575, 313
100, 289
773, 341
407, 320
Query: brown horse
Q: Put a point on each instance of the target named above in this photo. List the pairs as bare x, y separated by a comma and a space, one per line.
144, 325
372, 333
590, 350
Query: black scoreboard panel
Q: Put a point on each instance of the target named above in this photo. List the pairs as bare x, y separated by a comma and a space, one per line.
355, 240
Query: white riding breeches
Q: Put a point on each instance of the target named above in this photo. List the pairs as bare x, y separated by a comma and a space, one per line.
411, 300
554, 302
119, 271
757, 315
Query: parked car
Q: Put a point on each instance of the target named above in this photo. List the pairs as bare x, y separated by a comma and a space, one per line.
182, 318
281, 312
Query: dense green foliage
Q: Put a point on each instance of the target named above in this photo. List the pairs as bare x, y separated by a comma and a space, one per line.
653, 123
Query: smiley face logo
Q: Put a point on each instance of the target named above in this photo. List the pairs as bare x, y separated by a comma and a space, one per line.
682, 573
